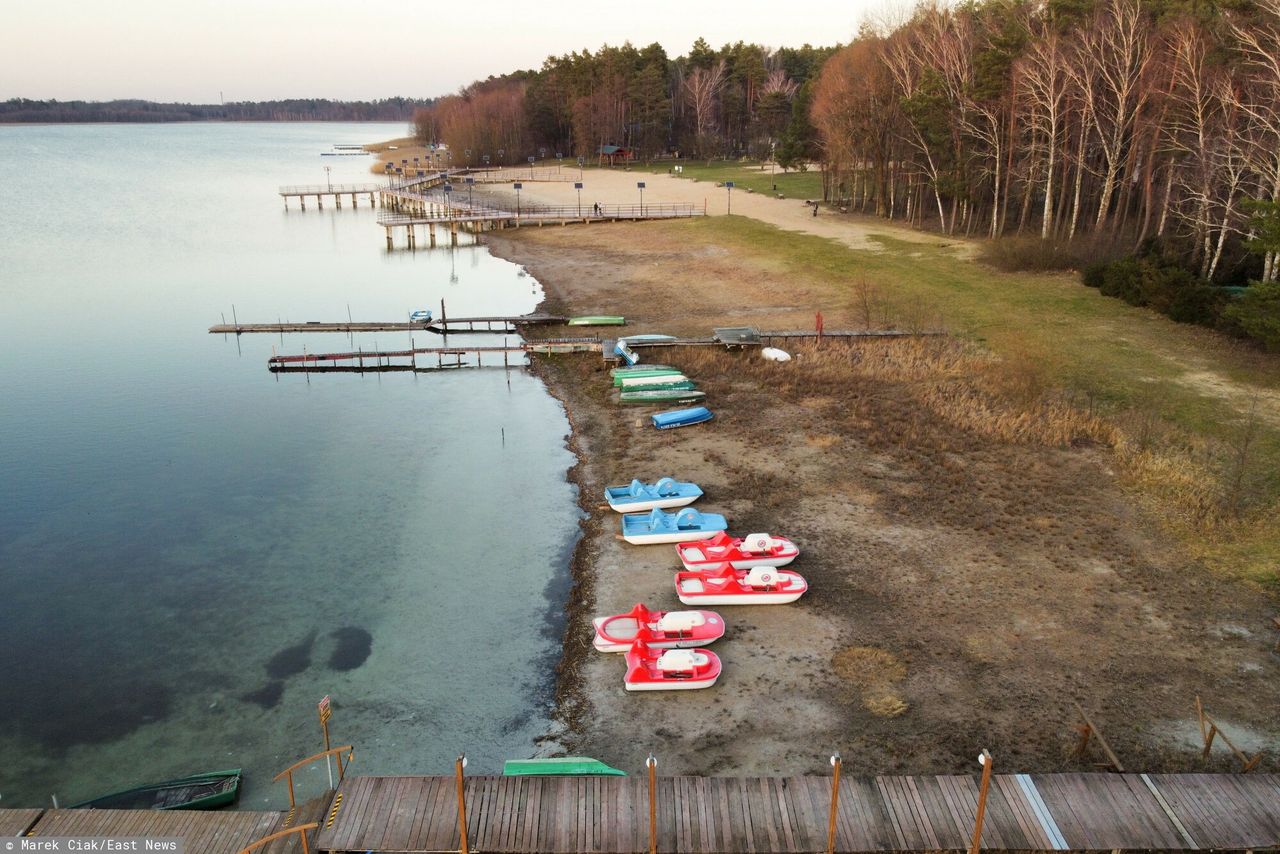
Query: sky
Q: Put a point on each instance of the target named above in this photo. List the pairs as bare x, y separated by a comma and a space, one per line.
204, 51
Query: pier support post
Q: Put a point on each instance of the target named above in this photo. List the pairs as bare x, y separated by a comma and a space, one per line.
431, 234
286, 202
337, 201
652, 764
319, 202
835, 803
302, 200
462, 806
390, 244
985, 760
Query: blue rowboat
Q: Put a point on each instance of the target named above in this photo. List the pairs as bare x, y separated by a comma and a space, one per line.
639, 497
625, 353
681, 417
657, 527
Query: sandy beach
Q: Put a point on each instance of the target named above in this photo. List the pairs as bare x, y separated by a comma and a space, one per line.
975, 568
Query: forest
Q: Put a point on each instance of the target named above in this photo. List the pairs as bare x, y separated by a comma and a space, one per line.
1135, 140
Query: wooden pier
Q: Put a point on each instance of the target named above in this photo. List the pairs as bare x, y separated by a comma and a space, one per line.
718, 815
422, 358
508, 324
725, 815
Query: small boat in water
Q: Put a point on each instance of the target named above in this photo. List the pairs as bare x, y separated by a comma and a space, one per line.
681, 417
739, 552
643, 372
637, 497
670, 670
208, 791
643, 529
661, 396
559, 766
658, 629
764, 585
597, 320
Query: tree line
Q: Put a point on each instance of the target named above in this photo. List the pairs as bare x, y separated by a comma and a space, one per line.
19, 110
742, 100
1145, 128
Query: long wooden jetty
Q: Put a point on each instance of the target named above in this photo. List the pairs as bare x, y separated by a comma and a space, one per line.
726, 815
442, 325
420, 358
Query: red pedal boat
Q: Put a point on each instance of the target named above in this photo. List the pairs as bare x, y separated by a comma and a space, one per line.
651, 669
659, 629
764, 585
739, 552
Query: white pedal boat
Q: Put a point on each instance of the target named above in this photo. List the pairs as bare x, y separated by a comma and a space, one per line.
670, 670
764, 585
641, 497
658, 629
739, 552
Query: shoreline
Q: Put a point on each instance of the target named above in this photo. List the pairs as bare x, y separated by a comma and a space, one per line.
914, 696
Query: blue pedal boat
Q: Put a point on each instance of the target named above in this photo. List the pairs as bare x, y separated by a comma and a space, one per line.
642, 529
640, 497
681, 417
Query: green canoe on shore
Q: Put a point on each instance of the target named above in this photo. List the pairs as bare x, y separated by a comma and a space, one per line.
563, 766
658, 396
638, 370
654, 373
207, 791
662, 384
597, 320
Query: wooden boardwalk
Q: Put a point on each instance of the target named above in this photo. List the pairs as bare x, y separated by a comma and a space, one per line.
215, 832
442, 325
710, 815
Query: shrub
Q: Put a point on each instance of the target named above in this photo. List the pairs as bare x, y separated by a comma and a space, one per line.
1031, 254
1093, 274
1123, 279
1257, 313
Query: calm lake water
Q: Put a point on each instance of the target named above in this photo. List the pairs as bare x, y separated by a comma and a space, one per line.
194, 552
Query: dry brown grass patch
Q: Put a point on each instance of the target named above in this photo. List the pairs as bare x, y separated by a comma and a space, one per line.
875, 673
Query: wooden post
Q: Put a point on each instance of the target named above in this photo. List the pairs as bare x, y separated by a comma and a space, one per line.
985, 760
652, 764
835, 803
462, 805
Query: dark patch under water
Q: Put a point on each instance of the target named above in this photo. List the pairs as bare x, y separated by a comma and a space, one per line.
292, 659
268, 696
354, 646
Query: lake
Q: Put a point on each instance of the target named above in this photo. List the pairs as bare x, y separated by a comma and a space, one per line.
194, 551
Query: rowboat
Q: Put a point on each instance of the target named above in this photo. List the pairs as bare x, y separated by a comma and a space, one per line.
637, 497
646, 339
741, 553
773, 354
641, 372
681, 417
670, 670
422, 315
657, 527
641, 381
656, 396
633, 370
764, 585
661, 384
560, 766
597, 320
207, 791
658, 629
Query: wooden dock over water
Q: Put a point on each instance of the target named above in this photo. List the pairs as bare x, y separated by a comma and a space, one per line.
442, 325
726, 815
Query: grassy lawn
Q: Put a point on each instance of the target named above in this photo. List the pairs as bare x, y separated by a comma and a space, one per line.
745, 176
1180, 385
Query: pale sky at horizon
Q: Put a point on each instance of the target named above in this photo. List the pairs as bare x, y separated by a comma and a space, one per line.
192, 50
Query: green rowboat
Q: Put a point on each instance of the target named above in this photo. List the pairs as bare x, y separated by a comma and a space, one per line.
658, 384
207, 791
597, 320
565, 766
634, 370
658, 396
655, 373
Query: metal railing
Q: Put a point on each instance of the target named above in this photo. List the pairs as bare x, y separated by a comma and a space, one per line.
326, 189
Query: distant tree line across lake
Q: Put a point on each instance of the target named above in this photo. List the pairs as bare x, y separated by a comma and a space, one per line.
290, 110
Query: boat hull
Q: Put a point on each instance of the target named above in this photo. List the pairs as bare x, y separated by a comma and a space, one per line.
646, 672
210, 791
681, 418
704, 558
680, 527
662, 495
619, 632
661, 397
673, 684
597, 320
668, 537
654, 504
699, 590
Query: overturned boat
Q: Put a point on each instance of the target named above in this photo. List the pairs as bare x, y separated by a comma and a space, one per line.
764, 585
658, 629
670, 670
738, 552
639, 497
661, 396
681, 417
642, 529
